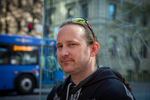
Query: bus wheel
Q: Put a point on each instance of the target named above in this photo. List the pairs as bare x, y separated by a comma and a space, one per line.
25, 84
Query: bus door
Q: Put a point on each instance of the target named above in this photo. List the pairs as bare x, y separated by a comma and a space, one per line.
50, 64
52, 72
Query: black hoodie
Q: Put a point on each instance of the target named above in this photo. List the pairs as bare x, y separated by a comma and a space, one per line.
101, 85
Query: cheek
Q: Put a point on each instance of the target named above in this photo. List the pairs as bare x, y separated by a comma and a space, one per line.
84, 53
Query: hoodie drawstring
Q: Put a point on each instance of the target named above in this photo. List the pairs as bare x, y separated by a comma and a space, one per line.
73, 96
68, 88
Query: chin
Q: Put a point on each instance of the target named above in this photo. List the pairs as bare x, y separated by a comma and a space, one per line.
67, 69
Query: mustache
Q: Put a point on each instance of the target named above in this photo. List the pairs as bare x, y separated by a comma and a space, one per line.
64, 59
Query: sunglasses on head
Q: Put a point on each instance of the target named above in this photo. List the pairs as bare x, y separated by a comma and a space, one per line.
84, 22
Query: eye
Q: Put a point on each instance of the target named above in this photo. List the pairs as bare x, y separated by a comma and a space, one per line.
72, 44
59, 46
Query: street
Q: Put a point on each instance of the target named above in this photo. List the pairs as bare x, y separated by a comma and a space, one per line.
141, 91
25, 97
37, 95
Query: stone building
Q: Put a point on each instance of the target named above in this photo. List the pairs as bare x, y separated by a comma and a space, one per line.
122, 27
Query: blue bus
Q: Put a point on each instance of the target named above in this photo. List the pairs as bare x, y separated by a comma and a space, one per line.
25, 60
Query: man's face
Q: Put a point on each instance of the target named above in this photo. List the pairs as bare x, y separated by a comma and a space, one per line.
72, 50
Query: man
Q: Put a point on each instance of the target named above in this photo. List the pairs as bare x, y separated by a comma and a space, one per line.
77, 49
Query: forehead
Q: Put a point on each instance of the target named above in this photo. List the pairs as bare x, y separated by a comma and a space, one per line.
71, 32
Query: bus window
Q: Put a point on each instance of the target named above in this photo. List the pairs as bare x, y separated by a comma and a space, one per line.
25, 57
30, 58
4, 57
21, 56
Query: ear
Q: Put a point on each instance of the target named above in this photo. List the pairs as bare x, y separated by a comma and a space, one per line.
95, 47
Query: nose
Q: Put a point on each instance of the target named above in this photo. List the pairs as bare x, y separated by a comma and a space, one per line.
64, 51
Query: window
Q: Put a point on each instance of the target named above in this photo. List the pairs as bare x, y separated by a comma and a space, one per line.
24, 58
144, 50
112, 11
70, 13
144, 19
84, 11
21, 55
113, 49
4, 56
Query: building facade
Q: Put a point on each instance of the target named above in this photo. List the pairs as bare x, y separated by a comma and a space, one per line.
122, 27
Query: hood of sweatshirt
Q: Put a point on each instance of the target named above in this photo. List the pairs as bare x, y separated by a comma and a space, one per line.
102, 73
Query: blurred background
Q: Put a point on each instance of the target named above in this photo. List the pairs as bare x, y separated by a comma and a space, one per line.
28, 30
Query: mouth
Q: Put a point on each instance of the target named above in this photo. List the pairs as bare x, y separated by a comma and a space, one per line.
66, 61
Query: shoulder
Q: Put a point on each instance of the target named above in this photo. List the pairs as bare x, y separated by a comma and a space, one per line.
111, 85
113, 89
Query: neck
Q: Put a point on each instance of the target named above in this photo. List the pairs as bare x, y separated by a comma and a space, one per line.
81, 75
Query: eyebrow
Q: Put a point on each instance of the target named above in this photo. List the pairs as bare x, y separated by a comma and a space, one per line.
69, 41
